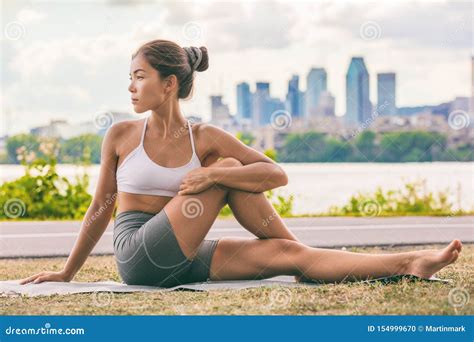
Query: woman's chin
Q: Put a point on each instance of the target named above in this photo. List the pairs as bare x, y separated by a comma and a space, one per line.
139, 109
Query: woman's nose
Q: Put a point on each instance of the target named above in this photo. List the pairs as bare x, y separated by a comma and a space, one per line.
131, 88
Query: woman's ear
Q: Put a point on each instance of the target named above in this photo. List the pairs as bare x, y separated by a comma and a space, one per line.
171, 84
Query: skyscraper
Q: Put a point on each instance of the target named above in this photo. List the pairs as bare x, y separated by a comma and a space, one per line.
358, 105
260, 103
244, 101
316, 83
327, 104
386, 93
219, 110
292, 98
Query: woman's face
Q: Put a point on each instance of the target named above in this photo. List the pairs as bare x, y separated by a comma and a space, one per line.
148, 90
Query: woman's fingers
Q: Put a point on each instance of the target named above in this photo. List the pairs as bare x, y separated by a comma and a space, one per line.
27, 280
45, 276
30, 279
39, 280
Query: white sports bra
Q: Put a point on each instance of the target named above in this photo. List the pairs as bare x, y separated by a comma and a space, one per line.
138, 174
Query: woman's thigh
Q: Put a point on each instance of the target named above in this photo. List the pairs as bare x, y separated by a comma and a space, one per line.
240, 258
192, 216
149, 254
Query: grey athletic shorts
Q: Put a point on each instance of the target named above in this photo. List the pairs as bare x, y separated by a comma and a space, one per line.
147, 252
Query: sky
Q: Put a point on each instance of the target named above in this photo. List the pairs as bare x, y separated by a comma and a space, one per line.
71, 59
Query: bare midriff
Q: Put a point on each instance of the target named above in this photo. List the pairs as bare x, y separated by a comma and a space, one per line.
147, 203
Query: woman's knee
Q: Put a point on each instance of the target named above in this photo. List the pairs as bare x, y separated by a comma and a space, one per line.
290, 247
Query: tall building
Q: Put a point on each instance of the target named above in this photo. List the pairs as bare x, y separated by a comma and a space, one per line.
386, 93
244, 101
219, 110
274, 104
293, 97
358, 105
316, 83
302, 103
327, 104
260, 103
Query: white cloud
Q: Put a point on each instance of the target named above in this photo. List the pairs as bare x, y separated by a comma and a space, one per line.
30, 16
68, 72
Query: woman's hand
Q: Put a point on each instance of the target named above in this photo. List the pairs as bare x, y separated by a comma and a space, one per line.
196, 181
46, 276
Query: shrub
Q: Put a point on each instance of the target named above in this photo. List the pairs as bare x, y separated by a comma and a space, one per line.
413, 198
41, 193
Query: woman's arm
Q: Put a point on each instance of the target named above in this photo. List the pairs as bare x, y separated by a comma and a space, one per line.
256, 177
97, 216
258, 172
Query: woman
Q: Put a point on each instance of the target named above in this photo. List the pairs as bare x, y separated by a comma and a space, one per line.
172, 178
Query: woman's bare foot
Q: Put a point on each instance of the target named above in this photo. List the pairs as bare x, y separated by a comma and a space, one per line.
425, 263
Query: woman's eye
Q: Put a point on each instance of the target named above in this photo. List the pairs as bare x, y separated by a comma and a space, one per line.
140, 77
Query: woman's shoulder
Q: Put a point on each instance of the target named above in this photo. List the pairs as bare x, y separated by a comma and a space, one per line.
206, 129
125, 127
123, 132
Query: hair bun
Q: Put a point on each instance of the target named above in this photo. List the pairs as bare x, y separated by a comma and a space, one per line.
198, 58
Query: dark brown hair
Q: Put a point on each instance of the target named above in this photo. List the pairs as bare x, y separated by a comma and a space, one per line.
168, 58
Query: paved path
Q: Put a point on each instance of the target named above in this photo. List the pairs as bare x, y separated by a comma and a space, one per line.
56, 238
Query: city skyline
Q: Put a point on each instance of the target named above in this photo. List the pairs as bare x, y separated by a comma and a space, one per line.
297, 37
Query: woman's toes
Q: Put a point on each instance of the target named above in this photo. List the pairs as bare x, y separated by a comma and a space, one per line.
447, 252
455, 256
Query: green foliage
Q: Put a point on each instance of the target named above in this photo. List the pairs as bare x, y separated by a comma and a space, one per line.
82, 148
246, 138
313, 147
413, 198
271, 153
283, 205
41, 193
368, 146
28, 141
413, 146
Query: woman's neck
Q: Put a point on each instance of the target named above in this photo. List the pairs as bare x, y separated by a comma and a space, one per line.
167, 120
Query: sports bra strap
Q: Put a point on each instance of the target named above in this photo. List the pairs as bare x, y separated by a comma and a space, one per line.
144, 129
191, 135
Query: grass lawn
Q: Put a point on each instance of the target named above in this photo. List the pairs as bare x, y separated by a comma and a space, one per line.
404, 298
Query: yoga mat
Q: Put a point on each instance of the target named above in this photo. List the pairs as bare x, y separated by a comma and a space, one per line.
13, 288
